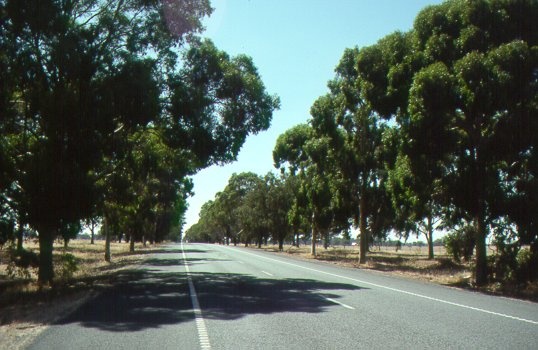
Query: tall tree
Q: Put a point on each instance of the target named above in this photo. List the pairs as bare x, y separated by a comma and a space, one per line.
487, 72
85, 69
278, 203
460, 84
245, 196
310, 158
355, 132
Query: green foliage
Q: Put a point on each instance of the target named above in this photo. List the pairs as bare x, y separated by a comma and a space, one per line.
460, 243
311, 161
7, 231
512, 262
68, 265
216, 101
20, 263
250, 208
461, 85
70, 231
526, 266
106, 112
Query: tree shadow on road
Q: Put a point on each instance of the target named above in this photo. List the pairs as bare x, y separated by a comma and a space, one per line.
177, 262
144, 299
230, 296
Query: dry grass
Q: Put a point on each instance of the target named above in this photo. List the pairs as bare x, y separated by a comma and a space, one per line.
409, 261
412, 262
92, 271
26, 310
90, 264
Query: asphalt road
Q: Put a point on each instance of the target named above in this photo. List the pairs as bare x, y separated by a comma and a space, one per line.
219, 297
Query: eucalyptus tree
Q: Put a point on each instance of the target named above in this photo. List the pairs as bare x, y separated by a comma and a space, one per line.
199, 232
310, 159
207, 229
237, 212
413, 171
355, 132
278, 203
69, 231
461, 85
416, 204
243, 201
487, 72
85, 69
298, 213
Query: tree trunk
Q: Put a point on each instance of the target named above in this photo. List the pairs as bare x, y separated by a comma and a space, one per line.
429, 237
46, 267
363, 239
326, 240
92, 230
107, 240
479, 175
20, 237
314, 235
131, 244
481, 272
66, 243
533, 273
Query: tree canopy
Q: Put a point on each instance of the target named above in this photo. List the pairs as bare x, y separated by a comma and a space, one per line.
91, 88
437, 124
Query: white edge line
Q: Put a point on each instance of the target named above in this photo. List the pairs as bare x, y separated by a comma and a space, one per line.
397, 290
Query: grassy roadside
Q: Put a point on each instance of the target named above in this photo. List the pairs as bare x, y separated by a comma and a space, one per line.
412, 262
80, 266
25, 309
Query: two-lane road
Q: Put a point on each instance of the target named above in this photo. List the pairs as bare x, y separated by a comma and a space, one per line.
219, 297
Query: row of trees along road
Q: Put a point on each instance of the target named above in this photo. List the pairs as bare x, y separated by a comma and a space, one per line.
434, 128
249, 209
106, 108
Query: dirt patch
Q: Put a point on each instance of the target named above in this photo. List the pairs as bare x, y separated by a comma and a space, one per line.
26, 310
412, 262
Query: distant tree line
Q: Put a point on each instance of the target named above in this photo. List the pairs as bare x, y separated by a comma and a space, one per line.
434, 128
106, 109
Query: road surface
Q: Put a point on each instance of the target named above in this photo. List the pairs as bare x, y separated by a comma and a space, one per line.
202, 296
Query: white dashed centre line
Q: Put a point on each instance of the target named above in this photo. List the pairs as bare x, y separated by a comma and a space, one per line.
339, 303
203, 337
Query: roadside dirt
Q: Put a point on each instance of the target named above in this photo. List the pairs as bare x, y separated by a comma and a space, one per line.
412, 262
26, 310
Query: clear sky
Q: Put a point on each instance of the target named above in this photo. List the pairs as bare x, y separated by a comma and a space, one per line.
295, 44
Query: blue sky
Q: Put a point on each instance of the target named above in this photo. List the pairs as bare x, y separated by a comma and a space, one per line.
295, 44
